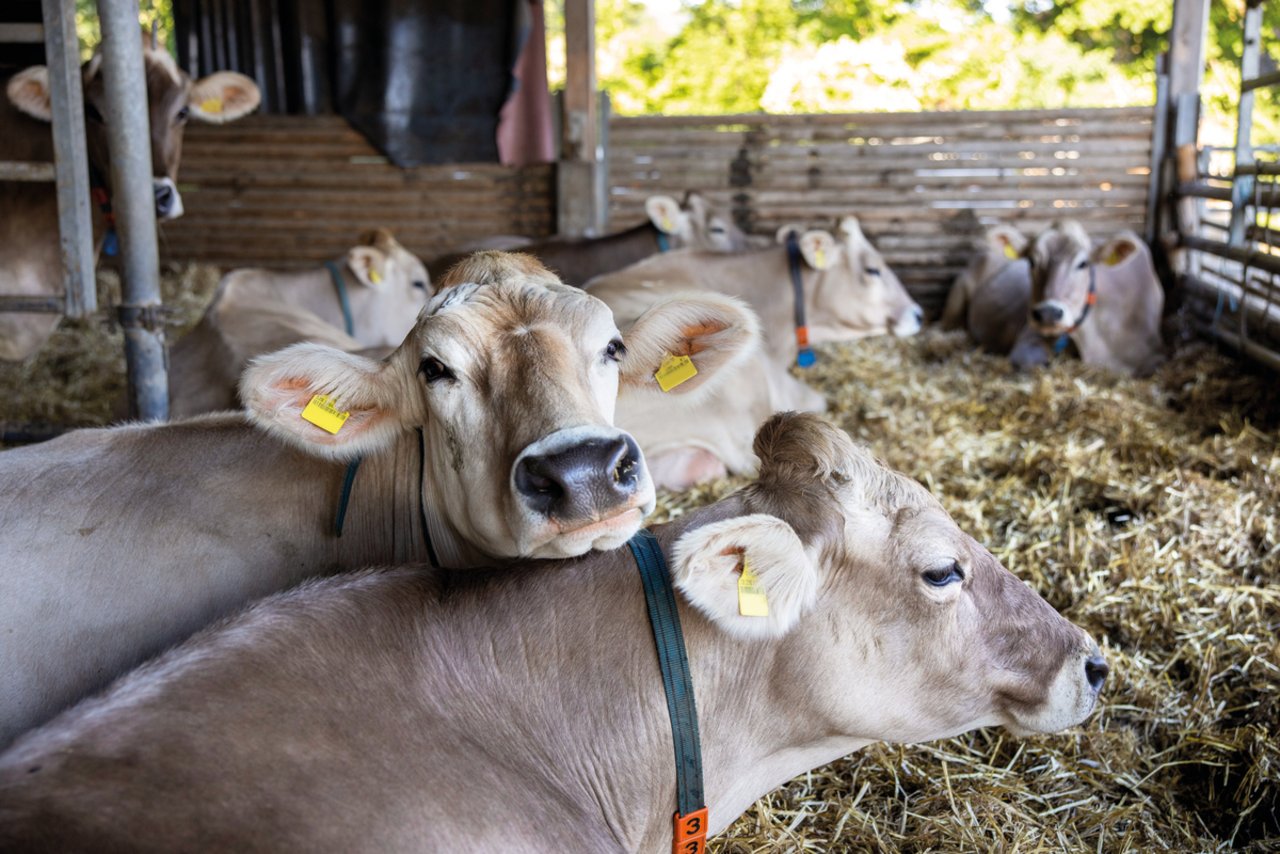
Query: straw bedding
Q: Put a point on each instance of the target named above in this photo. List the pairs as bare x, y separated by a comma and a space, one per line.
1145, 510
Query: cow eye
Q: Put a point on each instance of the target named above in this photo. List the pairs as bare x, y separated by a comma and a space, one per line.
873, 271
943, 576
419, 284
615, 351
92, 112
1082, 265
717, 229
182, 115
433, 370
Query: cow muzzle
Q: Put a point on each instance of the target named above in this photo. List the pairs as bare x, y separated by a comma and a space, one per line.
1050, 317
1071, 696
581, 488
909, 322
168, 199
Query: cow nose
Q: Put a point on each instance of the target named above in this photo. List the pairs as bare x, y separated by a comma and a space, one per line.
1096, 670
580, 481
1046, 313
164, 199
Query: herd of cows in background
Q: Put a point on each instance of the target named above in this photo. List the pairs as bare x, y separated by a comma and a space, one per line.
502, 408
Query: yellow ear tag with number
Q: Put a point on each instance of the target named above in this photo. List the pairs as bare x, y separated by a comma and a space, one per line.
1010, 252
322, 411
751, 599
667, 225
375, 276
211, 105
673, 371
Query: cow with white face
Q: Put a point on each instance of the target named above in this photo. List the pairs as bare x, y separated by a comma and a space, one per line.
375, 290
447, 713
488, 434
1107, 300
30, 255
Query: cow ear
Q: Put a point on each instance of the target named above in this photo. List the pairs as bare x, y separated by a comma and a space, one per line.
1115, 250
665, 214
368, 264
852, 231
1007, 240
28, 90
709, 565
222, 97
716, 332
279, 389
818, 248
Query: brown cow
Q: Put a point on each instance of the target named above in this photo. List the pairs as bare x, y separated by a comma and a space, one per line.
1106, 301
260, 311
990, 298
487, 434
695, 224
30, 255
523, 710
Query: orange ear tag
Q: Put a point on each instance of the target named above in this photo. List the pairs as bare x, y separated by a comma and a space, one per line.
212, 106
674, 371
323, 412
752, 601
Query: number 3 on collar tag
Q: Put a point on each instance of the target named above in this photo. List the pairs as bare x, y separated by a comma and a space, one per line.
690, 833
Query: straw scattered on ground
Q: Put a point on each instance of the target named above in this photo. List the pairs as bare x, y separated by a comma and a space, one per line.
1145, 510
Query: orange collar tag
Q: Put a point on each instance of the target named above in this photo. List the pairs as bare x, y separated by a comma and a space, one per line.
690, 835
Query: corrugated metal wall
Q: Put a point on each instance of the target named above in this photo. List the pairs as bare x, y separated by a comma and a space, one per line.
923, 184
289, 191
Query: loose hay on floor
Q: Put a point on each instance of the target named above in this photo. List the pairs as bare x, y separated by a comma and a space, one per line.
1146, 511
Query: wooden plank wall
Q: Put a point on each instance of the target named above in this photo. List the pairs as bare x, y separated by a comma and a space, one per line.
924, 185
288, 191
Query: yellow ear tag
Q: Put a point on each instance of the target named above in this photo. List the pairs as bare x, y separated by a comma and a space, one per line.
751, 599
667, 225
1010, 252
211, 105
323, 412
820, 258
375, 276
674, 370
1114, 258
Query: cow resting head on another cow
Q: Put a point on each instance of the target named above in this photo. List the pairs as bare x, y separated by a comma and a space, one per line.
471, 699
30, 255
530, 363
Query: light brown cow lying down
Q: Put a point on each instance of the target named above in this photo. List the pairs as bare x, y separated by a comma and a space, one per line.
523, 710
261, 311
990, 298
1107, 300
490, 428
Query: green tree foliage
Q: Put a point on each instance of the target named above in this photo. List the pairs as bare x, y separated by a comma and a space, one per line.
157, 12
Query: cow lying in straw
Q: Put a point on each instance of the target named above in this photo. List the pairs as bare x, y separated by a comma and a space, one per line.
369, 298
522, 710
1060, 293
487, 433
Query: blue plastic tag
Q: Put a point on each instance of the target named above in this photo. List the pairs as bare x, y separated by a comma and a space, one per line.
111, 246
805, 358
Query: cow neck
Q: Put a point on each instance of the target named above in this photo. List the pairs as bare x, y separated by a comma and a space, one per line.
102, 198
1089, 302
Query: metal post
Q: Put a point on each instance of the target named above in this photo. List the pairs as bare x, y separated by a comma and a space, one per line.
133, 199
1159, 142
66, 97
1242, 184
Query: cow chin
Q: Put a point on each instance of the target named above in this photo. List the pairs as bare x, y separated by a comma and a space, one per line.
553, 541
1069, 702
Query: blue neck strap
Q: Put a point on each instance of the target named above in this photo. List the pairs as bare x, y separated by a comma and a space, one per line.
664, 244
804, 354
676, 681
340, 285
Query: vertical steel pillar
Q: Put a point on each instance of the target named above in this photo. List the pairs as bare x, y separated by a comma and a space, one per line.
133, 200
66, 96
1242, 184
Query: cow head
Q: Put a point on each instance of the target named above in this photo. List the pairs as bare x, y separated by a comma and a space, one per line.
394, 286
695, 224
1063, 274
857, 294
513, 379
894, 624
173, 99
